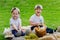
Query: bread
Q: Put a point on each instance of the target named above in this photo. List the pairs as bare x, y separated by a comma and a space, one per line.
40, 31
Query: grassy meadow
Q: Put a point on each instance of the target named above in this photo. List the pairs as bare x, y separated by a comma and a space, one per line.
50, 12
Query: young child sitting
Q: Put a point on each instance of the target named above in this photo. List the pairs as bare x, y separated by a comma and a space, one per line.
15, 22
37, 19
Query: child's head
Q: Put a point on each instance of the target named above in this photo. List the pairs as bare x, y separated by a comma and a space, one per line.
38, 9
15, 12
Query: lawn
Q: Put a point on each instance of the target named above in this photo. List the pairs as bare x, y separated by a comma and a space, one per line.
50, 12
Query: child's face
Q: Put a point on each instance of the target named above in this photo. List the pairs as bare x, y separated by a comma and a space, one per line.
38, 11
15, 14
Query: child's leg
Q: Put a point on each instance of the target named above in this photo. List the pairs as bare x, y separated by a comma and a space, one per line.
32, 27
49, 30
22, 33
14, 32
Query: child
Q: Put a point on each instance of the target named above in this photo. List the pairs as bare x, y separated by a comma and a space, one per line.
15, 22
38, 20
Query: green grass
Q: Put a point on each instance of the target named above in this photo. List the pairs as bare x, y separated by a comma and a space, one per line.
51, 12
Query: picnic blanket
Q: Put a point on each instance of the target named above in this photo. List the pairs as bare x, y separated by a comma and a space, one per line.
54, 36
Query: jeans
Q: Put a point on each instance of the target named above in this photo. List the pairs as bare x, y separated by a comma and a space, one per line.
48, 30
14, 32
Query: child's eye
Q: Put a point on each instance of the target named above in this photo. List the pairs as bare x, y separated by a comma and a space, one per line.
16, 13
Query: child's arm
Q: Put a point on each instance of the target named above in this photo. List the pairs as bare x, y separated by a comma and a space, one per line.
19, 27
34, 24
14, 27
19, 24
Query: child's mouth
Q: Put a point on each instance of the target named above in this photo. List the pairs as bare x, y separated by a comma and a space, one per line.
38, 12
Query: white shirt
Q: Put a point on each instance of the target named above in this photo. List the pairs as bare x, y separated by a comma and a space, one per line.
17, 22
37, 19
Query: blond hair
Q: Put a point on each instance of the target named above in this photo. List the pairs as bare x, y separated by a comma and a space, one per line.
38, 6
15, 8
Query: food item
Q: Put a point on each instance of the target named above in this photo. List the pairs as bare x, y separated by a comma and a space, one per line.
40, 31
27, 37
31, 36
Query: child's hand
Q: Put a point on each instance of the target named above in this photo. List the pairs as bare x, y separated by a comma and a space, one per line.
17, 30
38, 24
23, 30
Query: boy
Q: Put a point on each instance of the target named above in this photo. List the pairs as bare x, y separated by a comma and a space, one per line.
38, 20
15, 22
